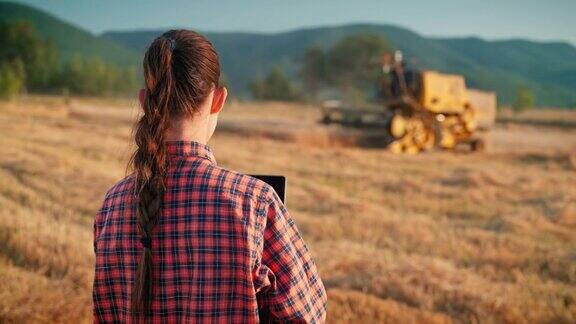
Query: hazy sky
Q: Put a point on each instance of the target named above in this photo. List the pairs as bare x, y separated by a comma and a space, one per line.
491, 19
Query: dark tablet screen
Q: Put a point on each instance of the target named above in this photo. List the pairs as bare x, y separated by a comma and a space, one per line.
277, 182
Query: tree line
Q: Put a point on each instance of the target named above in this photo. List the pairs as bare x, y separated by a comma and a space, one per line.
29, 63
349, 66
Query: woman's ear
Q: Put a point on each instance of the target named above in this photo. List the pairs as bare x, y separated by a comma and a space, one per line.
141, 96
218, 100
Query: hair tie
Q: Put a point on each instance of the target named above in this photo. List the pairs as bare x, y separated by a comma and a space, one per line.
172, 44
146, 242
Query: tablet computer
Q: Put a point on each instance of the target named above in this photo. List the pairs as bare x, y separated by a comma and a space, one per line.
277, 182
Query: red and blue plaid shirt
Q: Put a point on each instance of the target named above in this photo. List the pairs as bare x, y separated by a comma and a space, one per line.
224, 250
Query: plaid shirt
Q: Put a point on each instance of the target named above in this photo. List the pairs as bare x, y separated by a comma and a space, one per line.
224, 250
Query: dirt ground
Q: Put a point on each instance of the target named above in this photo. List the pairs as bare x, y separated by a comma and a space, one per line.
434, 238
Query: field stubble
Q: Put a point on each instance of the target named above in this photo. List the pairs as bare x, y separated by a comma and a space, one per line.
433, 238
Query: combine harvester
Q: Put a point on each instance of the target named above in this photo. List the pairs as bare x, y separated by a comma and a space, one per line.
422, 110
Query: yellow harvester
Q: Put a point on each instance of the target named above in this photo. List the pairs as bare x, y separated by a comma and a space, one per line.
424, 110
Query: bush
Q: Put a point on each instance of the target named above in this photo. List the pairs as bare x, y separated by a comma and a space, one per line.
524, 99
275, 86
91, 76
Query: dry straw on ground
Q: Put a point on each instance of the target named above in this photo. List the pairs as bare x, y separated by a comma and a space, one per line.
434, 238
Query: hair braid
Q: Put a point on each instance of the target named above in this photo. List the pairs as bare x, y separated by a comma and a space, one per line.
150, 162
181, 67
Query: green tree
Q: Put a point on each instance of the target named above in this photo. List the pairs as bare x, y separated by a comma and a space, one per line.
275, 86
12, 79
28, 61
314, 68
91, 76
19, 41
524, 99
127, 81
353, 60
350, 65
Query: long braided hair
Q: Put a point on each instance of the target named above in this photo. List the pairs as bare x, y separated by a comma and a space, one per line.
181, 68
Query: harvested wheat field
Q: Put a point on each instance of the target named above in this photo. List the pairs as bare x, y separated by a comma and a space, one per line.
434, 238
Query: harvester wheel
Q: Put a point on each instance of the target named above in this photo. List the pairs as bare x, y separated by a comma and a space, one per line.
430, 142
412, 149
412, 134
448, 142
423, 134
408, 146
397, 126
396, 147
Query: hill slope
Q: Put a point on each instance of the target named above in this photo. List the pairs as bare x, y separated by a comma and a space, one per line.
68, 38
501, 66
549, 67
545, 62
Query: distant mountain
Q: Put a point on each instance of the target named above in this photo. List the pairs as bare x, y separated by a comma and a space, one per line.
550, 68
501, 66
68, 38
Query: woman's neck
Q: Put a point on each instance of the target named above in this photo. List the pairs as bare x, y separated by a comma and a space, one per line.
183, 129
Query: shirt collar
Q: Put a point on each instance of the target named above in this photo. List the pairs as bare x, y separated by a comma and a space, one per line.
189, 149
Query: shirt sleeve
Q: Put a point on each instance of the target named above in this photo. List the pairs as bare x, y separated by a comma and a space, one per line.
96, 231
98, 219
288, 285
